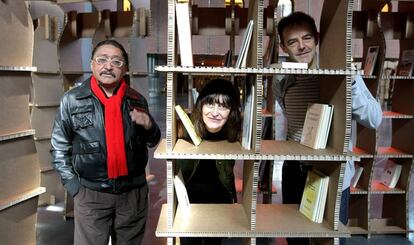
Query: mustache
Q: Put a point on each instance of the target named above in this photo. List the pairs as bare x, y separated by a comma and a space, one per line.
107, 73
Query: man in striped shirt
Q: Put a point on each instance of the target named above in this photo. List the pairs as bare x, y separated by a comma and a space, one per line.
299, 38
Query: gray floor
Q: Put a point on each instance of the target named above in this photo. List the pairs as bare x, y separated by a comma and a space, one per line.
52, 229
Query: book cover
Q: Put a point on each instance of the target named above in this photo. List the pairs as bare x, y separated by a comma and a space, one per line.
357, 175
391, 174
314, 196
406, 63
182, 195
290, 65
370, 60
241, 59
316, 126
188, 125
248, 114
184, 33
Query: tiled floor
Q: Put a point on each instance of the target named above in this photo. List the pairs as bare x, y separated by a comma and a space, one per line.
52, 229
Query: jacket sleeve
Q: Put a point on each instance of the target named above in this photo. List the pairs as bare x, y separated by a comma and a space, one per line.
61, 150
365, 108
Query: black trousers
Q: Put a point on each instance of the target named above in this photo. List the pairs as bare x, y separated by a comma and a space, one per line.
99, 215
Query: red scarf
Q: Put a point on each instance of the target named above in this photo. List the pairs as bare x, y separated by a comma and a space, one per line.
114, 130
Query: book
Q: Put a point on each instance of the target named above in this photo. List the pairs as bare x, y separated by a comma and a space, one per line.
290, 65
314, 196
406, 63
241, 59
370, 60
357, 175
317, 125
182, 195
184, 33
391, 174
248, 113
188, 125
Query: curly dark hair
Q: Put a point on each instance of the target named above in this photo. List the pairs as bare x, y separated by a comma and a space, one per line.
210, 94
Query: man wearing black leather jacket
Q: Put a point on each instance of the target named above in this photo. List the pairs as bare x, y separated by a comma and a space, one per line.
100, 141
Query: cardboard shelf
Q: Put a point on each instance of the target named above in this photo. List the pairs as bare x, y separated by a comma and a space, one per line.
378, 188
18, 68
391, 152
19, 134
21, 197
362, 153
205, 70
271, 150
358, 191
229, 220
385, 226
393, 114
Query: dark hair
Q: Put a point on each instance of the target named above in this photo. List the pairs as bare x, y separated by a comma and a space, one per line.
210, 94
115, 44
297, 19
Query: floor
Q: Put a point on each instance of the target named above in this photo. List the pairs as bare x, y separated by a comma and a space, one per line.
52, 229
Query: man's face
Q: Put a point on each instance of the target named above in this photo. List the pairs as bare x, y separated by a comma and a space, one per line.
105, 64
299, 43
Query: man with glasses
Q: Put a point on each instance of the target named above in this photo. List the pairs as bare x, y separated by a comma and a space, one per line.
100, 141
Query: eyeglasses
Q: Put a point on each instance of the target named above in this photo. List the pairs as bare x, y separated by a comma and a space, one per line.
220, 108
102, 60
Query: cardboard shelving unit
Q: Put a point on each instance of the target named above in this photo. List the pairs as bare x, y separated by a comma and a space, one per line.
20, 178
392, 31
247, 219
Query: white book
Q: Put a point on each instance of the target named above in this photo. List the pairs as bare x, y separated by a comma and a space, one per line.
391, 174
182, 195
316, 126
241, 59
290, 65
248, 114
188, 125
357, 175
184, 33
371, 60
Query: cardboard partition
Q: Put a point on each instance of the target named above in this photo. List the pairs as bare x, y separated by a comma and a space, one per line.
18, 223
19, 167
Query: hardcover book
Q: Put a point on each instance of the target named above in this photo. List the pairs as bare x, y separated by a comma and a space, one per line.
316, 126
241, 59
188, 125
406, 63
314, 196
371, 60
391, 174
184, 33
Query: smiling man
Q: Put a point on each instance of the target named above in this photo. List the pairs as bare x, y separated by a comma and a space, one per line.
299, 39
100, 141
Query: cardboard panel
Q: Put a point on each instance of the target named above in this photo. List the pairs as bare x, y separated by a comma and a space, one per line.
47, 89
43, 153
54, 189
17, 46
42, 121
18, 223
19, 167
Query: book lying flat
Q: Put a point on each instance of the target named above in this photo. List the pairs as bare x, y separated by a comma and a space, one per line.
188, 125
290, 65
391, 174
314, 196
316, 126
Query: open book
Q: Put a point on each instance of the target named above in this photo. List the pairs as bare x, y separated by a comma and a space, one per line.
188, 125
314, 196
317, 124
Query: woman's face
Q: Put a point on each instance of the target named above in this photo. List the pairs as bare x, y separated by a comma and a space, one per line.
215, 116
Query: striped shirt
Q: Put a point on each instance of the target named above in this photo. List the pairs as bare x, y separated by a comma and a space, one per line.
305, 90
